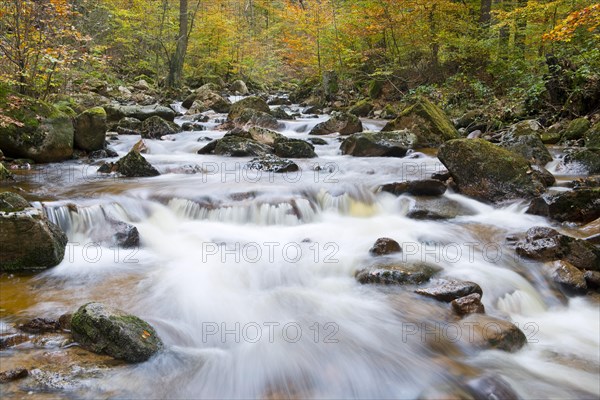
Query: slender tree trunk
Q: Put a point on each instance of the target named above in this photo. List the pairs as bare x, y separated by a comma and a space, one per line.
176, 64
485, 16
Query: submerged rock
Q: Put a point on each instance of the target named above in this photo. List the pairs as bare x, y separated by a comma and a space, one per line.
397, 273
489, 173
249, 118
40, 325
342, 123
546, 244
384, 246
448, 290
580, 205
29, 241
106, 330
274, 164
491, 387
379, 144
90, 129
437, 208
13, 375
485, 332
425, 187
427, 122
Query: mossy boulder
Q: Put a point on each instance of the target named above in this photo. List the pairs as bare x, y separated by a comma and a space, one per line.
529, 147
489, 173
250, 117
29, 241
379, 144
586, 159
342, 123
592, 137
90, 129
239, 86
576, 129
206, 99
129, 126
427, 121
251, 102
36, 130
294, 148
5, 174
156, 127
261, 135
361, 109
107, 330
135, 165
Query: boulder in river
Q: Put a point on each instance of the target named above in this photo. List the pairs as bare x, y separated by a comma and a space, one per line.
294, 148
261, 135
586, 160
29, 241
251, 102
485, 332
361, 109
487, 172
13, 375
397, 273
529, 147
117, 112
447, 290
236, 146
576, 129
570, 279
424, 187
156, 127
106, 330
270, 163
547, 244
239, 87
427, 122
249, 117
580, 205
132, 165
592, 137
470, 304
35, 130
384, 246
436, 208
342, 123
205, 99
129, 126
90, 129
379, 144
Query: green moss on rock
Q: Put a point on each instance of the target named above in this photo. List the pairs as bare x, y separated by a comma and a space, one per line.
576, 129
252, 102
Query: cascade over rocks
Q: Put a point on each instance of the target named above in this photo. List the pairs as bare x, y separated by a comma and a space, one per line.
487, 172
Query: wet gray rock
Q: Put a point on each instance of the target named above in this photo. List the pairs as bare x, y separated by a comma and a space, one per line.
133, 165
470, 304
384, 246
106, 330
13, 375
585, 160
249, 118
40, 325
379, 144
580, 205
397, 273
342, 123
592, 279
546, 244
236, 146
117, 112
251, 102
437, 208
425, 187
318, 141
273, 164
239, 86
568, 278
294, 148
448, 290
156, 127
280, 113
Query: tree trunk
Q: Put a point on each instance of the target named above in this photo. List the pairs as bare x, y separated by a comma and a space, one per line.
176, 64
485, 13
520, 32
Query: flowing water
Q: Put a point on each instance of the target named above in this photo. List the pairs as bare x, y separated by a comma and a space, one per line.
248, 278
